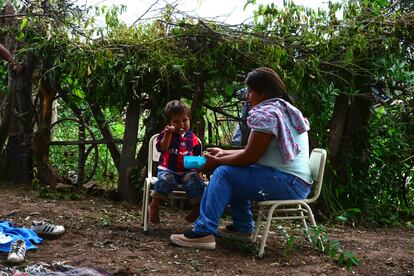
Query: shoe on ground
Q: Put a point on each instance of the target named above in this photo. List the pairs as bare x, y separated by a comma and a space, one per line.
45, 228
17, 252
230, 232
194, 240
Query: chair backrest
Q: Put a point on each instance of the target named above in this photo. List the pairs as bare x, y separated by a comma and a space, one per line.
317, 165
154, 154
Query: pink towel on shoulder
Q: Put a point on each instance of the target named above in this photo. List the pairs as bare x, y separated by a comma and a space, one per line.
272, 116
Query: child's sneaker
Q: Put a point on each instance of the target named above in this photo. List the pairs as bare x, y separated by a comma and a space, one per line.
17, 252
45, 228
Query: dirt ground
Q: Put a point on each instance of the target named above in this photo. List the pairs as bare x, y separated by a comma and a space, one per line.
107, 235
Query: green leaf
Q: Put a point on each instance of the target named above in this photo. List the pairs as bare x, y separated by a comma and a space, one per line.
382, 3
327, 249
24, 23
249, 2
20, 36
229, 89
342, 218
349, 55
79, 93
320, 246
354, 210
348, 264
341, 259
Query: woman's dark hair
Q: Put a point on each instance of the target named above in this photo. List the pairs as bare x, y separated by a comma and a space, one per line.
175, 107
265, 81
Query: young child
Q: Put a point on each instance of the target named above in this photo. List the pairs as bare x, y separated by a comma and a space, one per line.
175, 141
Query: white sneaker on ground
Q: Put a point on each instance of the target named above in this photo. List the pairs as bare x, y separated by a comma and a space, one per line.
17, 252
45, 228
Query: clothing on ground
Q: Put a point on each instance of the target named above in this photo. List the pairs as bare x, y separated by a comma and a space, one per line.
29, 236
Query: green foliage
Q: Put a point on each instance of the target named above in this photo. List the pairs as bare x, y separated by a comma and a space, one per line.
65, 157
46, 191
105, 219
318, 54
15, 3
349, 216
3, 78
334, 57
321, 243
290, 241
242, 246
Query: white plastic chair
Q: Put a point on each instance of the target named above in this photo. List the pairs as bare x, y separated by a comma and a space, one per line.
154, 156
292, 209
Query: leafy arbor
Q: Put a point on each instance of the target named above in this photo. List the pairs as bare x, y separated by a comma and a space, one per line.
335, 68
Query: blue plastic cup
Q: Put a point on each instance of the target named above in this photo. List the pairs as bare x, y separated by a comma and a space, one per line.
194, 162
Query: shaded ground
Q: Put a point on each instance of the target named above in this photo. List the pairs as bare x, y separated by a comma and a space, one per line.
107, 235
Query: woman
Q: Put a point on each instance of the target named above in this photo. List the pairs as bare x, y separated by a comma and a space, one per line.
273, 166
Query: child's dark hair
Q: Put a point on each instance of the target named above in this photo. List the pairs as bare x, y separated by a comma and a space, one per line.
175, 107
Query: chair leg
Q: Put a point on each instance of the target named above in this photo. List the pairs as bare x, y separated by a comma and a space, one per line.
257, 228
312, 218
146, 217
266, 229
305, 225
144, 196
313, 222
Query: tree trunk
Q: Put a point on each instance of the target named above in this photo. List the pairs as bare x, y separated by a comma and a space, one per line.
18, 151
47, 174
106, 133
153, 124
337, 129
126, 191
198, 124
355, 138
349, 143
5, 117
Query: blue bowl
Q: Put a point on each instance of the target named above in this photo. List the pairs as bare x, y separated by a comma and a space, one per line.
194, 162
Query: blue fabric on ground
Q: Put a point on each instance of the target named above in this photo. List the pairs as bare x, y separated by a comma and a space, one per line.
28, 235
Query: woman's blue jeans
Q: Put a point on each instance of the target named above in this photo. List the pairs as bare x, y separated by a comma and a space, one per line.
237, 186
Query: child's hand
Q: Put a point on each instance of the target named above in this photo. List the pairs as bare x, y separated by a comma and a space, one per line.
169, 129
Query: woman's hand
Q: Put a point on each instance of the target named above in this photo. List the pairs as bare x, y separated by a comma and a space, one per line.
217, 152
211, 162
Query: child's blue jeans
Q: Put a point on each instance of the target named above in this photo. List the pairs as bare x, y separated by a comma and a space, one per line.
237, 186
168, 181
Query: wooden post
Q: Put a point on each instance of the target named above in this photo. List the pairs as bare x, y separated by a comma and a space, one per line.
81, 151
